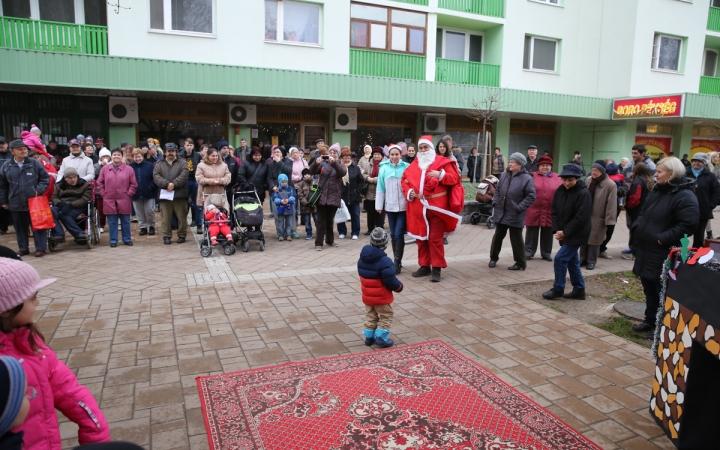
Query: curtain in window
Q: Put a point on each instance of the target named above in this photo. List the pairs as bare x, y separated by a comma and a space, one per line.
455, 46
57, 10
16, 8
358, 34
192, 15
270, 20
301, 23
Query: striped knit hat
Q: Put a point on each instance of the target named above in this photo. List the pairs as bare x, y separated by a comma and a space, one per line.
379, 238
18, 282
12, 391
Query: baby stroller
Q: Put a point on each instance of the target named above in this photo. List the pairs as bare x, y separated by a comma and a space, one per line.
484, 196
228, 245
248, 218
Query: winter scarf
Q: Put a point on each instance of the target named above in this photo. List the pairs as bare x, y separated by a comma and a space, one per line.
376, 168
346, 178
594, 183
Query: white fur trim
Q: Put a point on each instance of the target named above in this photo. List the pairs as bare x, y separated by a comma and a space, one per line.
425, 141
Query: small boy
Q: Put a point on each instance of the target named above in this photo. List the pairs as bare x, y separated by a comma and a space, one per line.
378, 282
306, 212
284, 199
14, 404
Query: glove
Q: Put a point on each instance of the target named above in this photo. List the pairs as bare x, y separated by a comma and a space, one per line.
60, 206
67, 208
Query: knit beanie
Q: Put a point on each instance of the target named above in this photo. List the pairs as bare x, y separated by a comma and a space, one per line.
599, 165
335, 147
612, 169
104, 152
222, 144
305, 171
379, 238
70, 171
282, 178
18, 282
12, 391
518, 158
35, 130
80, 137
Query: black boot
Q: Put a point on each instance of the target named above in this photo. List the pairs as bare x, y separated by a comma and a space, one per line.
435, 275
423, 271
709, 235
398, 250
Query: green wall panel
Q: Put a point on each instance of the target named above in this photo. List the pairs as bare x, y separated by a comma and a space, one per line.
701, 105
120, 133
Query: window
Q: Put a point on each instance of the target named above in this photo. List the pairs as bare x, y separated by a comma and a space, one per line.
389, 29
540, 54
184, 16
666, 53
460, 45
96, 12
710, 63
715, 3
57, 10
288, 21
16, 8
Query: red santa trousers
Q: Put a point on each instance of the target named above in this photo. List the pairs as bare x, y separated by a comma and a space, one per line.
215, 228
431, 252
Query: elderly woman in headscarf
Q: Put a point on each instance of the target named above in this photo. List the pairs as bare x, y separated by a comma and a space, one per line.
367, 156
371, 170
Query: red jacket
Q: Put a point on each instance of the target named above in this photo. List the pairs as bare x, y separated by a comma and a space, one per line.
539, 214
377, 277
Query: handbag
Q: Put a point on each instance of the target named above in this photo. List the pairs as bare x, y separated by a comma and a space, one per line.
316, 191
343, 213
40, 214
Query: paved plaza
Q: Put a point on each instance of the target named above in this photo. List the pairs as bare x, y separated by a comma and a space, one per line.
139, 324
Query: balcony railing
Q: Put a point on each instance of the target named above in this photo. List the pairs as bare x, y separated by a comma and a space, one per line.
466, 72
714, 19
414, 2
494, 8
386, 64
27, 34
710, 85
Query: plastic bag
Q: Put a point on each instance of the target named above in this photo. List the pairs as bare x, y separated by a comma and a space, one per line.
40, 214
343, 214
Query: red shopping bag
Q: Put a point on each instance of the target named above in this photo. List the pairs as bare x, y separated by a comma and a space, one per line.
40, 215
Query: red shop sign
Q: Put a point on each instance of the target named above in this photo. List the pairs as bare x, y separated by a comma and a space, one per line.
641, 108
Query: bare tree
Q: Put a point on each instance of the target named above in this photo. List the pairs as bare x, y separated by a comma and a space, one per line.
485, 111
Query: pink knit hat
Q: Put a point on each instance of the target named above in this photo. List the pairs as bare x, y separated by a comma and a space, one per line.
18, 282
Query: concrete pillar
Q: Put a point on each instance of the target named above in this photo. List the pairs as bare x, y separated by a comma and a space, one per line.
682, 137
501, 136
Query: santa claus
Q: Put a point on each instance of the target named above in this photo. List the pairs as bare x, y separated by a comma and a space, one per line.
435, 196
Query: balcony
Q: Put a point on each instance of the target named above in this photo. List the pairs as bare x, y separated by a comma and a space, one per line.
494, 8
386, 64
714, 19
710, 85
43, 35
466, 72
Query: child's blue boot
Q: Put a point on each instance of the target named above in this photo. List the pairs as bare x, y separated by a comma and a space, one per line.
381, 338
369, 337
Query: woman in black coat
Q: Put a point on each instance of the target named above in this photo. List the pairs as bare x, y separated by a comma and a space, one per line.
253, 174
471, 165
707, 191
352, 193
671, 211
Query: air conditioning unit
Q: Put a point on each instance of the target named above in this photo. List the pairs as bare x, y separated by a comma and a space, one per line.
434, 123
242, 114
345, 119
123, 110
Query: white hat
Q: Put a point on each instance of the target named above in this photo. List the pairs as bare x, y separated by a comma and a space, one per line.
104, 152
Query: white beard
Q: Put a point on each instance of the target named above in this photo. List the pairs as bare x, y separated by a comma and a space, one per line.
425, 159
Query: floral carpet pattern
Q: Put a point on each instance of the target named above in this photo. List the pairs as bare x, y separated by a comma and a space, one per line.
422, 396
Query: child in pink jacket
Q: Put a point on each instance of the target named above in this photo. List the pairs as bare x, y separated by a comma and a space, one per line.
50, 384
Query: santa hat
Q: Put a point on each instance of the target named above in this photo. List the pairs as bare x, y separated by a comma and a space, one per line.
426, 140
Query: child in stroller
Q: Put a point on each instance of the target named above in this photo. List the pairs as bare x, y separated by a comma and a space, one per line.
217, 216
484, 196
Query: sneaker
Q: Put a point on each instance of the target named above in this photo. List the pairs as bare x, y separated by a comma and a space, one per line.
308, 237
295, 236
280, 238
604, 255
101, 230
627, 251
288, 238
630, 257
133, 219
355, 238
342, 236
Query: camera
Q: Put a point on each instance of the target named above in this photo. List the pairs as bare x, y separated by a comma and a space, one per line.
325, 157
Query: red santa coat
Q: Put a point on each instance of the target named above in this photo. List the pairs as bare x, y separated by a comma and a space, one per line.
445, 197
539, 214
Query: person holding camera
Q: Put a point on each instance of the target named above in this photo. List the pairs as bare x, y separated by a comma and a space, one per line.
330, 174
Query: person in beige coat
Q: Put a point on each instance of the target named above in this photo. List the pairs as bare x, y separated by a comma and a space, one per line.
212, 175
603, 191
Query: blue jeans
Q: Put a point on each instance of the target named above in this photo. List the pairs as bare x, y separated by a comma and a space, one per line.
397, 221
113, 224
21, 222
283, 223
567, 260
197, 218
308, 224
354, 221
68, 220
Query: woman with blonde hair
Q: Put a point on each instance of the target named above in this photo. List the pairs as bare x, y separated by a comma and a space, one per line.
212, 175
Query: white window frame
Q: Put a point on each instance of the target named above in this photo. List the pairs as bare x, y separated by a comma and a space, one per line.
656, 46
549, 2
717, 58
280, 25
35, 10
532, 54
467, 34
167, 22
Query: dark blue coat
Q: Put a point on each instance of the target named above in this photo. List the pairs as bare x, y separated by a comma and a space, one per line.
377, 277
18, 186
144, 175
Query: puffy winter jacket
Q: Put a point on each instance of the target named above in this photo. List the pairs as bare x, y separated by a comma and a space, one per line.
206, 172
56, 387
303, 192
388, 194
352, 192
572, 213
707, 191
539, 214
377, 277
332, 190
144, 176
513, 196
17, 186
78, 196
253, 174
285, 193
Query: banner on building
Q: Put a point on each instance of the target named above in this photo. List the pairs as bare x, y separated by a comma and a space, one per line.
655, 145
650, 107
703, 146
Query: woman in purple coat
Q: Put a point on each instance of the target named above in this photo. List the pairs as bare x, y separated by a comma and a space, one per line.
117, 185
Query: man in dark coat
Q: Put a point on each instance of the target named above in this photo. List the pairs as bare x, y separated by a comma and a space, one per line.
707, 190
532, 160
514, 195
4, 214
69, 201
571, 223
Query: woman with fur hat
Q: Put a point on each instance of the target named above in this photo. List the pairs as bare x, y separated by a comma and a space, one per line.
538, 220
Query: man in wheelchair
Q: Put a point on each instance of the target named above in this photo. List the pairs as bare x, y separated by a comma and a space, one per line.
69, 206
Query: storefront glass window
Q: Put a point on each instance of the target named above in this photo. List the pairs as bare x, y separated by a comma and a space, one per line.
379, 135
312, 133
285, 134
172, 130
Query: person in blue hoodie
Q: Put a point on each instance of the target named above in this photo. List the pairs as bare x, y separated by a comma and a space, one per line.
144, 198
378, 282
284, 198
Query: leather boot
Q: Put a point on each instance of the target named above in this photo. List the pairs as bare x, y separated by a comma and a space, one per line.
423, 271
398, 250
435, 275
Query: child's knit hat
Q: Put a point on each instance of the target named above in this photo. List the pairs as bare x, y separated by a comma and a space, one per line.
18, 282
12, 391
379, 238
282, 178
305, 171
35, 130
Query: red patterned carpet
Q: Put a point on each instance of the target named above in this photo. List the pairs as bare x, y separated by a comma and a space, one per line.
422, 396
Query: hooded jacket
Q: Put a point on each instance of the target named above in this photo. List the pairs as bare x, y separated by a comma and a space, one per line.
57, 388
303, 192
18, 186
670, 212
388, 194
707, 191
377, 277
514, 194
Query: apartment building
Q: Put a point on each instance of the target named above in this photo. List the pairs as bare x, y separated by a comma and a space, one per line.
594, 76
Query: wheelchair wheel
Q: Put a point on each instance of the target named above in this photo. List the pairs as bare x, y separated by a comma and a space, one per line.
228, 249
205, 251
262, 246
246, 246
51, 245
